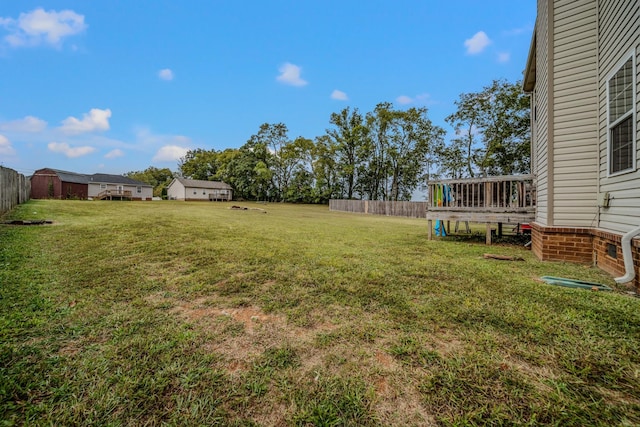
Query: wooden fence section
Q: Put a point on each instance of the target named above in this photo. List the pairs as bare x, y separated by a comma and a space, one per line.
375, 207
15, 188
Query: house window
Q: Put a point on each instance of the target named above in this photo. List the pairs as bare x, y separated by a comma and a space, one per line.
195, 192
139, 189
103, 186
621, 119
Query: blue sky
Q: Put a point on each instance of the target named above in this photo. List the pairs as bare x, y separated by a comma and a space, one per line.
113, 86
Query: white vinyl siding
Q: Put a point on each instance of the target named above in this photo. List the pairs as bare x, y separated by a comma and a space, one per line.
574, 75
186, 189
175, 190
619, 41
540, 124
138, 192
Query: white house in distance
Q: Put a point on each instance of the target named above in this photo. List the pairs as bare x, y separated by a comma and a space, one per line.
196, 189
582, 74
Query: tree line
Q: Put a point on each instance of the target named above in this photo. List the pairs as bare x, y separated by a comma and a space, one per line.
384, 154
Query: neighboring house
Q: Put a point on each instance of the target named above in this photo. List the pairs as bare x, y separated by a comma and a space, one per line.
102, 186
195, 189
57, 184
50, 183
582, 75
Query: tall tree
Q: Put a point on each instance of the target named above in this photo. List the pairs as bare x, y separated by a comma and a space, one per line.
295, 160
494, 127
199, 164
158, 178
325, 170
414, 141
267, 145
374, 175
349, 135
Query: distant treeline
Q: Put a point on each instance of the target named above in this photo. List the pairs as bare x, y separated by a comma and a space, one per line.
385, 154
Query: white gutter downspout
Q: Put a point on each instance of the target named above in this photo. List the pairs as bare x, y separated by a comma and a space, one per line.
630, 272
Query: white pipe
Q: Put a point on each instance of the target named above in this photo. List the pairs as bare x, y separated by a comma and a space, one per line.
630, 272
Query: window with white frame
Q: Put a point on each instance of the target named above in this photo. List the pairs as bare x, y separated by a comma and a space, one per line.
621, 119
139, 189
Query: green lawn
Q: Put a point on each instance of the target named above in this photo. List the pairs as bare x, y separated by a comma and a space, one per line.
174, 313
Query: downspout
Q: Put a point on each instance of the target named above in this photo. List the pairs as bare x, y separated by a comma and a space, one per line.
630, 272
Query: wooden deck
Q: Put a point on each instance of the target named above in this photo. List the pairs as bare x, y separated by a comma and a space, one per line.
114, 195
491, 200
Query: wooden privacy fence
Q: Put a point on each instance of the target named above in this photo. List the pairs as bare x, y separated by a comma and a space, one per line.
375, 207
15, 188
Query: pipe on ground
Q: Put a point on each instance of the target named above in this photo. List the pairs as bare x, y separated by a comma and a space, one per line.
627, 256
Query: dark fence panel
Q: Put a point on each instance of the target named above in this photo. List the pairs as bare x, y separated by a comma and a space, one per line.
374, 207
15, 188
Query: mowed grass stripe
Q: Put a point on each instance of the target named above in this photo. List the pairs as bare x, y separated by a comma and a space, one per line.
125, 313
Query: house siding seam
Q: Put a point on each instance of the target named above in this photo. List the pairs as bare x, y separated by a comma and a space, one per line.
540, 146
575, 113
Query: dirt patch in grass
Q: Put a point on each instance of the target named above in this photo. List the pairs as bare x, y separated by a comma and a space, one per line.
446, 344
70, 349
397, 402
384, 360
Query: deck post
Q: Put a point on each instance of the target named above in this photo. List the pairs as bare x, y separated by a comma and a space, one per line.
430, 232
488, 241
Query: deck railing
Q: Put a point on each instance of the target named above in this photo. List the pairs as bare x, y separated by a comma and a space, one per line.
507, 199
107, 194
512, 193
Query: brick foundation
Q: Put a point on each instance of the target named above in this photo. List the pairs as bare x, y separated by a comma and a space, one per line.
584, 246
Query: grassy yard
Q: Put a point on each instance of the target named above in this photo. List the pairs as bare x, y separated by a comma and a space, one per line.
126, 313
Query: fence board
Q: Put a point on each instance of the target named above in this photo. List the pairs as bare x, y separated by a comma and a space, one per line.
376, 207
15, 188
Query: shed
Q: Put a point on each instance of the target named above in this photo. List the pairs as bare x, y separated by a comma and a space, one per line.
51, 183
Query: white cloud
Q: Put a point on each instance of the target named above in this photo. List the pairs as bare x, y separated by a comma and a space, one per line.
41, 27
170, 153
29, 124
339, 95
290, 75
404, 100
423, 98
5, 146
504, 57
95, 120
113, 154
165, 74
477, 43
70, 152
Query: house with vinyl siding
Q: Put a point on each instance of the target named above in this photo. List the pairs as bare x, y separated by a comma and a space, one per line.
582, 75
196, 189
103, 186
